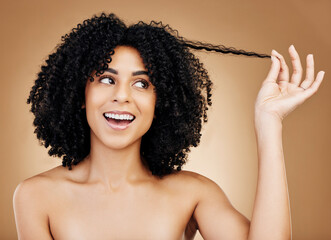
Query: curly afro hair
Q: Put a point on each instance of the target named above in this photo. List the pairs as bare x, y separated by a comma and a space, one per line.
182, 84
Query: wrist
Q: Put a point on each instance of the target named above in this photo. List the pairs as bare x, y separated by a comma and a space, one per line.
265, 115
264, 120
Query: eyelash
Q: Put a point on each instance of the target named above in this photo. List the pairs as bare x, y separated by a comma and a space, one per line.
104, 77
144, 82
110, 78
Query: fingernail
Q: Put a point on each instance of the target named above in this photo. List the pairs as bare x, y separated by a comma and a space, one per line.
292, 46
273, 58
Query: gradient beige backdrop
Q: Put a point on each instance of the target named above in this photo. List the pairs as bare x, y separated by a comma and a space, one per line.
227, 154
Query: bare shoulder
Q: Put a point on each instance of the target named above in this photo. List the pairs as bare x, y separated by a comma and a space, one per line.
192, 178
208, 195
42, 177
33, 188
31, 201
196, 184
214, 214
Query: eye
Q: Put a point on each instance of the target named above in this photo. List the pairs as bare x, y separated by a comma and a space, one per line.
106, 80
142, 84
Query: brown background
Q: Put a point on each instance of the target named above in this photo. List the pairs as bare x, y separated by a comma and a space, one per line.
227, 154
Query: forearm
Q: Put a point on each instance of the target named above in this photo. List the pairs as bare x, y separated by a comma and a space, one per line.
271, 213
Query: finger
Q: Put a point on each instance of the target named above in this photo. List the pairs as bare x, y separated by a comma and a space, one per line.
274, 71
284, 72
297, 68
315, 85
309, 72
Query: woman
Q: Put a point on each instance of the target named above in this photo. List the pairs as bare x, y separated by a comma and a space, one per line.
122, 106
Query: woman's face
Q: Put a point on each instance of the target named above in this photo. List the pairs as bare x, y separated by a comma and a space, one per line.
120, 103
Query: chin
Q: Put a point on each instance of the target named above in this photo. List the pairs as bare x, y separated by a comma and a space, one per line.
117, 145
117, 140
120, 143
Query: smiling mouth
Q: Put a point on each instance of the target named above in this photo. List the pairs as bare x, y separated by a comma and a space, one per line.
119, 121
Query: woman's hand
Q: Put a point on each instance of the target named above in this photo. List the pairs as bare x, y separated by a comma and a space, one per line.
280, 95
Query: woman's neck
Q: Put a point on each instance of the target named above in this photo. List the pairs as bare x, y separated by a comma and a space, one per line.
115, 168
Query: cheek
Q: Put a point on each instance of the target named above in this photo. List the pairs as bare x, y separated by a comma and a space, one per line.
148, 105
94, 98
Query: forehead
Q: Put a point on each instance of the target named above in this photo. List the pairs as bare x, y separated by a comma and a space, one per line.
126, 58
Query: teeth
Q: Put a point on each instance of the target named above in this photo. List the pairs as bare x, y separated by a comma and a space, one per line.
119, 116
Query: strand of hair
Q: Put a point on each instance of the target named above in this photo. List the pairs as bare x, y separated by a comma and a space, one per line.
222, 49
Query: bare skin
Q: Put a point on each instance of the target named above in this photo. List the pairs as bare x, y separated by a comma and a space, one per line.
112, 194
66, 205
145, 208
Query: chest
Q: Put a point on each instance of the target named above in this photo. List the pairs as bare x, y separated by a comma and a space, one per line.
129, 215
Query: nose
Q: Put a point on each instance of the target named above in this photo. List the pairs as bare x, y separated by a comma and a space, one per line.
122, 93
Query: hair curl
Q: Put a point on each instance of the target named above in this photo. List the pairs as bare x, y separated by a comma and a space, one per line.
183, 89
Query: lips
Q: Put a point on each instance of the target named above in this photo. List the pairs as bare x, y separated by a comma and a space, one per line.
119, 120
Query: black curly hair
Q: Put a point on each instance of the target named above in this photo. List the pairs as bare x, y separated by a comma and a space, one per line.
182, 84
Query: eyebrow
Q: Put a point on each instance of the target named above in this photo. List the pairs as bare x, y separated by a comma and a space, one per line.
136, 73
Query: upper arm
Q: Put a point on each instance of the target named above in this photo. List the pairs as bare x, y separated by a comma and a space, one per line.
30, 211
216, 217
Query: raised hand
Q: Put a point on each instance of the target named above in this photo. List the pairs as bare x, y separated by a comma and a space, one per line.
280, 95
